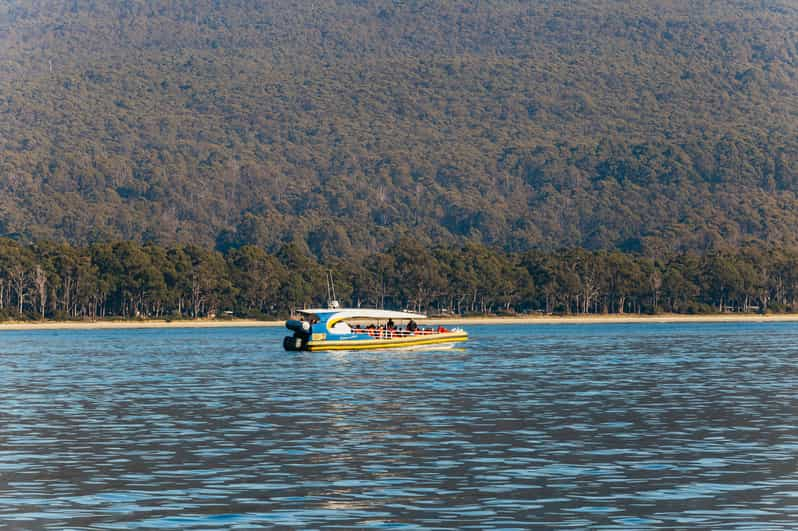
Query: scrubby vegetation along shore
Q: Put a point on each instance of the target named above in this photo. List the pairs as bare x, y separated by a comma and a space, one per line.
647, 126
132, 280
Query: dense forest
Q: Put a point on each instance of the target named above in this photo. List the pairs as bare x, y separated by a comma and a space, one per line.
345, 127
131, 280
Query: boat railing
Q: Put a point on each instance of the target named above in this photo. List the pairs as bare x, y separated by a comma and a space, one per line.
388, 333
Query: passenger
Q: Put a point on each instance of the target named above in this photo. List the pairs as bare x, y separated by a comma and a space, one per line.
412, 326
391, 324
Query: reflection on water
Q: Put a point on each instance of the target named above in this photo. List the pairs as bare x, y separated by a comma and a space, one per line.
607, 426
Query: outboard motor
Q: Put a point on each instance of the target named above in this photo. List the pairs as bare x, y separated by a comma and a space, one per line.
302, 331
293, 343
300, 327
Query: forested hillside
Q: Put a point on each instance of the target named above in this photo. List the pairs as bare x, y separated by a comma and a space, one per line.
345, 125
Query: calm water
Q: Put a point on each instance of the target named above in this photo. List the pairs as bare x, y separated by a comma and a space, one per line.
602, 426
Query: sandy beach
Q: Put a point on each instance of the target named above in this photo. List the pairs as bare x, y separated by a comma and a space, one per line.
619, 319
124, 325
449, 321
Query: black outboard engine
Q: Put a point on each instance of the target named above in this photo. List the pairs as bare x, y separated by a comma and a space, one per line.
302, 331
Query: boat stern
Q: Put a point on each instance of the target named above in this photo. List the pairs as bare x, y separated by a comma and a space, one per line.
301, 337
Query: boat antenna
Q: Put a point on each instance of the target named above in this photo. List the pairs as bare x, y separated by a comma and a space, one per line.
332, 301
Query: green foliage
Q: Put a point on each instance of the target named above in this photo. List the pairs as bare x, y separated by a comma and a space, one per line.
133, 280
347, 126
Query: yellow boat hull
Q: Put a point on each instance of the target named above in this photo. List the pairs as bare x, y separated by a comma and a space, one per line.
437, 340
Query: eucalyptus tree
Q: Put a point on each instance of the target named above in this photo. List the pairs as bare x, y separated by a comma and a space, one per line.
256, 277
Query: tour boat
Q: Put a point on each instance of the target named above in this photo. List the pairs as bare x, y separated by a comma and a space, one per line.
358, 329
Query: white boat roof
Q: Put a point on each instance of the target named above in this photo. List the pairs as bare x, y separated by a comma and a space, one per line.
364, 313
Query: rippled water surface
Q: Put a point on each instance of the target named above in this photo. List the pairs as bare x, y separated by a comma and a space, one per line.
601, 426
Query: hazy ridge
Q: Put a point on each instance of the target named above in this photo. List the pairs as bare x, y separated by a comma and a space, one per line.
347, 124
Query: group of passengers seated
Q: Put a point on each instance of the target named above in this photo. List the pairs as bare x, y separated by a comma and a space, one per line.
391, 330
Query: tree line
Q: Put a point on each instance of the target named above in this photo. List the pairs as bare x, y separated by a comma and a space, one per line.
127, 279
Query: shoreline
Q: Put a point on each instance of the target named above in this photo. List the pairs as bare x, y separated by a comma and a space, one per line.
458, 321
621, 319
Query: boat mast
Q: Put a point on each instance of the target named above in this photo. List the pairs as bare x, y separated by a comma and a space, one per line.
332, 301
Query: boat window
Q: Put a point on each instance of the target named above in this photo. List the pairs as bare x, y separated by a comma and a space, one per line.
341, 327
